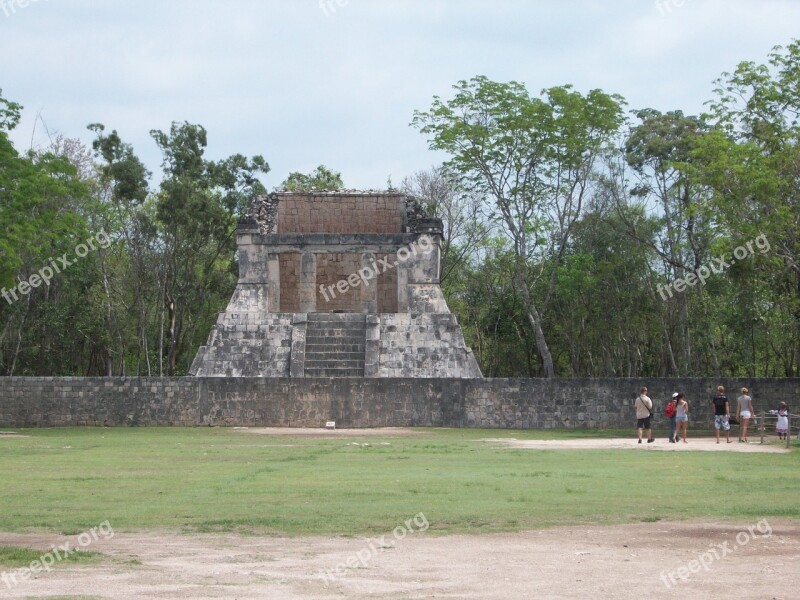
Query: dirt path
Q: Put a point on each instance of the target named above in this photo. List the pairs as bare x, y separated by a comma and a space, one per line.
705, 444
331, 433
631, 561
702, 444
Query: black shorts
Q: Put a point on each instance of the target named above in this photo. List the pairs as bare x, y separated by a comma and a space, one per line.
643, 423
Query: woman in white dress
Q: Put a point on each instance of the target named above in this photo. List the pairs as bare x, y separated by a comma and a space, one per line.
782, 426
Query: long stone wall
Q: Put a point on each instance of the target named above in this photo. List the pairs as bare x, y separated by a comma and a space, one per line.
493, 403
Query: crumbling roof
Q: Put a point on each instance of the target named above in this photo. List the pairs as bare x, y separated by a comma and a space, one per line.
263, 212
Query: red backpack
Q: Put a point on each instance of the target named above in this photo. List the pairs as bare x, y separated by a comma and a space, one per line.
670, 409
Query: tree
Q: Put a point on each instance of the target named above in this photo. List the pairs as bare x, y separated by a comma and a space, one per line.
752, 161
460, 212
658, 151
42, 197
321, 179
605, 314
198, 205
37, 192
535, 157
123, 188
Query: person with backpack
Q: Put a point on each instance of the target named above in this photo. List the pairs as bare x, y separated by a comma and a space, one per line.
669, 412
644, 415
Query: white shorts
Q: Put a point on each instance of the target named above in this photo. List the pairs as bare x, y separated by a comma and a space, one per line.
745, 414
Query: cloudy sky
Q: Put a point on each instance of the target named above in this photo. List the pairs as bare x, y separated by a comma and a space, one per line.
335, 82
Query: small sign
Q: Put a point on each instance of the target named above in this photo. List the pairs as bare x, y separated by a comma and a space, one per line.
330, 425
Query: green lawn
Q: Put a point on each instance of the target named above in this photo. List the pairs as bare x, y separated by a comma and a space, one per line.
199, 480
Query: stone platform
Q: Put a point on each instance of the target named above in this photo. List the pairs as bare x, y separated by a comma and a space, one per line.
337, 284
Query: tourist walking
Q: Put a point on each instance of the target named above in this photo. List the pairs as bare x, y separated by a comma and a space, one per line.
722, 413
682, 417
669, 412
644, 415
744, 408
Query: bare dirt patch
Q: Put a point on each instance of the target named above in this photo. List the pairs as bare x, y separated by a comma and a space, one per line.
626, 561
331, 433
694, 444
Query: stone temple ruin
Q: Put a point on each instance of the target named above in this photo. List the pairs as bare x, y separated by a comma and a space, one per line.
337, 284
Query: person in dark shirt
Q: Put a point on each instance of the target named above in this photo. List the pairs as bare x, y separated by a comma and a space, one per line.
722, 413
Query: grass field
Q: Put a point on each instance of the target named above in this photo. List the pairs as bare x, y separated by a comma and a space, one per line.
210, 480
20, 557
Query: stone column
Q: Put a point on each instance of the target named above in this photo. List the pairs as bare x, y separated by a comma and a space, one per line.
297, 358
402, 287
308, 283
274, 281
369, 294
372, 348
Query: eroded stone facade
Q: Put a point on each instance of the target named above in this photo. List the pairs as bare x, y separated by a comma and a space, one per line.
337, 284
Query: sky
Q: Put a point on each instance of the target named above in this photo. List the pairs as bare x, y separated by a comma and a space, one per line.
336, 82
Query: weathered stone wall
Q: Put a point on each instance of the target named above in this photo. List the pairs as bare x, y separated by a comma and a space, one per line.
246, 344
494, 403
429, 343
289, 282
341, 213
387, 285
331, 269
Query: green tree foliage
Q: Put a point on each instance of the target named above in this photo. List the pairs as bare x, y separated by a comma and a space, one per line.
321, 179
198, 206
122, 181
535, 158
464, 229
752, 161
142, 303
38, 193
41, 202
676, 194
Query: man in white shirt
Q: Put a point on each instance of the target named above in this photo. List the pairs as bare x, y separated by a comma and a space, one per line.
644, 414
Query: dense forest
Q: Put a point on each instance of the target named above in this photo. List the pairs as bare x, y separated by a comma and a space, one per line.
582, 237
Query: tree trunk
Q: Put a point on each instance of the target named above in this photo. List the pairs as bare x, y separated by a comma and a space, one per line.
536, 323
161, 332
171, 334
44, 342
19, 336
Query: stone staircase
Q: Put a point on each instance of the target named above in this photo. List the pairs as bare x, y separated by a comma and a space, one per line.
335, 345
